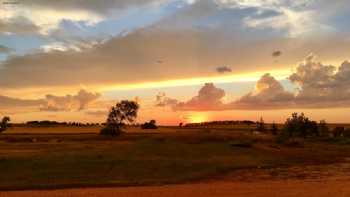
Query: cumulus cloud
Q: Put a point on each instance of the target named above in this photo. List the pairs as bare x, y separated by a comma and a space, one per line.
79, 101
318, 86
268, 93
209, 98
322, 84
223, 69
69, 102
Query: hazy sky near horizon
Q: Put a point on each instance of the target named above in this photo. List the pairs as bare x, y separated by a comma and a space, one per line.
182, 60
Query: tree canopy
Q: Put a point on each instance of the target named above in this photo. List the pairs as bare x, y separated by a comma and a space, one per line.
122, 113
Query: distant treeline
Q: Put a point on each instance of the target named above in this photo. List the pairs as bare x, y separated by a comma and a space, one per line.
224, 122
46, 123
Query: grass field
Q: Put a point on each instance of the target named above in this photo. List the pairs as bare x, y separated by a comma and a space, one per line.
78, 157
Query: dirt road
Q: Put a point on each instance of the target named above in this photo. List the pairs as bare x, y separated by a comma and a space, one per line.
334, 186
304, 181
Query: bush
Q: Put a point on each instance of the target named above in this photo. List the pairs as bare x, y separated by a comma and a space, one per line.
338, 131
149, 125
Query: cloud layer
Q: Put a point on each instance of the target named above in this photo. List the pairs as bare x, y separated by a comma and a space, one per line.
187, 39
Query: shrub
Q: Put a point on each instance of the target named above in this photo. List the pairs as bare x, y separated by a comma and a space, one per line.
338, 131
149, 125
300, 126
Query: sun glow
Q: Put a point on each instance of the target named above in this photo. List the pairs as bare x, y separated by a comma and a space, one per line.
245, 77
37, 92
198, 118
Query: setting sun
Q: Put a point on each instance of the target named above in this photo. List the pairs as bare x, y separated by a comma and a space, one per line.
198, 117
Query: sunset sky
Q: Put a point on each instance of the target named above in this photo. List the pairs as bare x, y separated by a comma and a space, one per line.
182, 60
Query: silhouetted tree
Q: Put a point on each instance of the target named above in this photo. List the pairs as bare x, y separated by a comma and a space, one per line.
123, 112
4, 123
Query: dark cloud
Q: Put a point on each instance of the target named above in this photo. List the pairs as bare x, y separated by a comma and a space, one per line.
4, 49
223, 69
102, 7
192, 54
186, 58
276, 53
